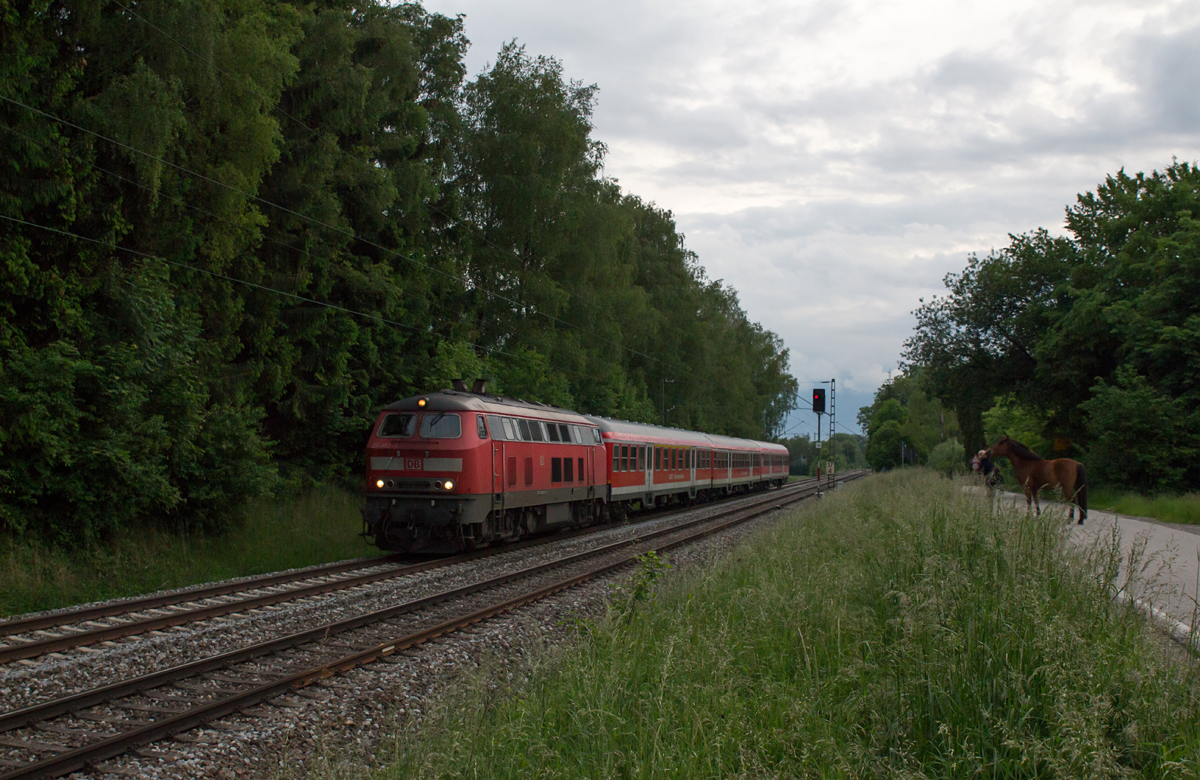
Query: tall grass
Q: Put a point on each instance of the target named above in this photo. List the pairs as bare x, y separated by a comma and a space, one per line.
1168, 508
319, 526
897, 629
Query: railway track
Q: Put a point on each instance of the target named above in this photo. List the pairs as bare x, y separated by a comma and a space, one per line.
31, 637
70, 733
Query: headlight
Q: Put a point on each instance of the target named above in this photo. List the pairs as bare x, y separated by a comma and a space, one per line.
448, 484
379, 483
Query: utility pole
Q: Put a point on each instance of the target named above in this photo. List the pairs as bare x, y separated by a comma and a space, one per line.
664, 399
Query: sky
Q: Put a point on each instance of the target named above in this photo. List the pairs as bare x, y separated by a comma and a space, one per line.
833, 161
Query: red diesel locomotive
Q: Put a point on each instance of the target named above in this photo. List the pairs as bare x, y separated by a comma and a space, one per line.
457, 469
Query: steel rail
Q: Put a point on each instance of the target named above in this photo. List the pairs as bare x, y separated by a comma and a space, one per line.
25, 716
72, 639
60, 620
87, 755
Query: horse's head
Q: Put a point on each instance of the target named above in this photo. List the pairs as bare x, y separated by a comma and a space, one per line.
1001, 448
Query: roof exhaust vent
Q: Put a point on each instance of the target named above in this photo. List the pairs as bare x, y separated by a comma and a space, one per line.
460, 385
480, 387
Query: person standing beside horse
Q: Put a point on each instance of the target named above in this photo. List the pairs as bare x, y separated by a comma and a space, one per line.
1036, 474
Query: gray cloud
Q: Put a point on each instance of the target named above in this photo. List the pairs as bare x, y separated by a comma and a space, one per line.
833, 160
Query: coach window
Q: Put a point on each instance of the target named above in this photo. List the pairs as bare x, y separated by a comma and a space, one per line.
441, 425
398, 425
616, 458
624, 457
481, 427
657, 458
552, 429
641, 464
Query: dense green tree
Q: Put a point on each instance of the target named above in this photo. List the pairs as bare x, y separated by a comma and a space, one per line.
1066, 329
231, 231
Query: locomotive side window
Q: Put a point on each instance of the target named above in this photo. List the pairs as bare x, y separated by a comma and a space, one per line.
481, 427
552, 429
596, 435
512, 472
568, 470
524, 426
581, 469
564, 432
441, 425
529, 471
556, 469
538, 430
496, 427
398, 425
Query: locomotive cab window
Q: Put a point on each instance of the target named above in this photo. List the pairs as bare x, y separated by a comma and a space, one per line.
496, 428
441, 425
398, 425
481, 427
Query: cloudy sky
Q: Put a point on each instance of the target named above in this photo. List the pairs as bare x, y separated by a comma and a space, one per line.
834, 160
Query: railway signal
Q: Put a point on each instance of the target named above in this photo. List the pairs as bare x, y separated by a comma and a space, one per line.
819, 400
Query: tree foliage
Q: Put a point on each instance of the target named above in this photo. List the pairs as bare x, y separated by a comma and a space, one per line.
1096, 334
904, 412
231, 231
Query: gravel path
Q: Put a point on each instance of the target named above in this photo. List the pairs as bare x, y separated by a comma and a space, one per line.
284, 737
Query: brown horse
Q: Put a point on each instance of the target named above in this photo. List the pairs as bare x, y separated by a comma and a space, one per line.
1036, 474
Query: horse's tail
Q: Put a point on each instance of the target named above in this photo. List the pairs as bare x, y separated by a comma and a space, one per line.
1081, 490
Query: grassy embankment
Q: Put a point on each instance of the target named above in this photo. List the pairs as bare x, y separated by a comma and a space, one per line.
1168, 508
896, 629
320, 526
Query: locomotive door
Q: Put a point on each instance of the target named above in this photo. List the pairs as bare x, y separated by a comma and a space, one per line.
497, 470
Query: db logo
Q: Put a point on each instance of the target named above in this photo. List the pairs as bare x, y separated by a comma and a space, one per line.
412, 464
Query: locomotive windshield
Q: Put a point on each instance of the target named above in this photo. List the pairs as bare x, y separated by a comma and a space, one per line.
442, 425
398, 425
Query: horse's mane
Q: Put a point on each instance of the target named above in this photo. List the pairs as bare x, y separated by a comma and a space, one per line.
1023, 451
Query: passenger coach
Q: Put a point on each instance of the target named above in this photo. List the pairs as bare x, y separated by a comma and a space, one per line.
457, 469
